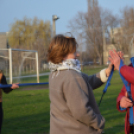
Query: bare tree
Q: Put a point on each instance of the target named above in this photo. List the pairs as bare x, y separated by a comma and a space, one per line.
91, 25
124, 34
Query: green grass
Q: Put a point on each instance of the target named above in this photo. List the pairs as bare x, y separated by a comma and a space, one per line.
27, 111
34, 79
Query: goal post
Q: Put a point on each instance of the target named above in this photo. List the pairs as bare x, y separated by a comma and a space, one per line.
8, 56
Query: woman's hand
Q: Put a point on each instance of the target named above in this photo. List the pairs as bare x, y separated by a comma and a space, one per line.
114, 59
125, 102
14, 86
121, 54
108, 70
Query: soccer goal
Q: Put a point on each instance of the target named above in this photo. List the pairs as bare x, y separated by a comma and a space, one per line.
19, 65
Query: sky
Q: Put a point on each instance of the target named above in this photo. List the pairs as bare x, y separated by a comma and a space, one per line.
11, 10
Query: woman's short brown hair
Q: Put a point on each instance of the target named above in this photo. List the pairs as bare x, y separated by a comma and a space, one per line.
60, 47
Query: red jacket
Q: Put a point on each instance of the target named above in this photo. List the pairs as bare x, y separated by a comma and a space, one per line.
128, 73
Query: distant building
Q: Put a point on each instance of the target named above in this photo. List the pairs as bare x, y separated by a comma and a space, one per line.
3, 40
114, 33
106, 54
3, 53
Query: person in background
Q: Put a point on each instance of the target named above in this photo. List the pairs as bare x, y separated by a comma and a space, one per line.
6, 90
123, 101
73, 109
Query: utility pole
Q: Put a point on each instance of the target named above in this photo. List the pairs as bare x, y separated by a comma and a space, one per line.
104, 48
81, 49
54, 18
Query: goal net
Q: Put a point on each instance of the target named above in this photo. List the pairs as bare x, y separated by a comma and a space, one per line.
19, 66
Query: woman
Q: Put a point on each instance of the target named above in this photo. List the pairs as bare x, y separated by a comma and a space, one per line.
73, 107
6, 90
124, 101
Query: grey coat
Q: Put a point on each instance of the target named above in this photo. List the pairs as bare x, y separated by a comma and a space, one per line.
73, 109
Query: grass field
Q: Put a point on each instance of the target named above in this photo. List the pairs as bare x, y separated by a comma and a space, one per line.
27, 111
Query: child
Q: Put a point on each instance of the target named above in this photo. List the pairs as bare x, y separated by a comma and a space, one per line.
6, 90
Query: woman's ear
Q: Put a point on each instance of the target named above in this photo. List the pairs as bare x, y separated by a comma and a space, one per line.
65, 58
